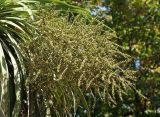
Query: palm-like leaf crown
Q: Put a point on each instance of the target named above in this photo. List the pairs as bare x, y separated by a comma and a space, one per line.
13, 30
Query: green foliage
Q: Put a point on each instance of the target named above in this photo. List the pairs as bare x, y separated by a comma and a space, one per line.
13, 30
68, 60
61, 5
